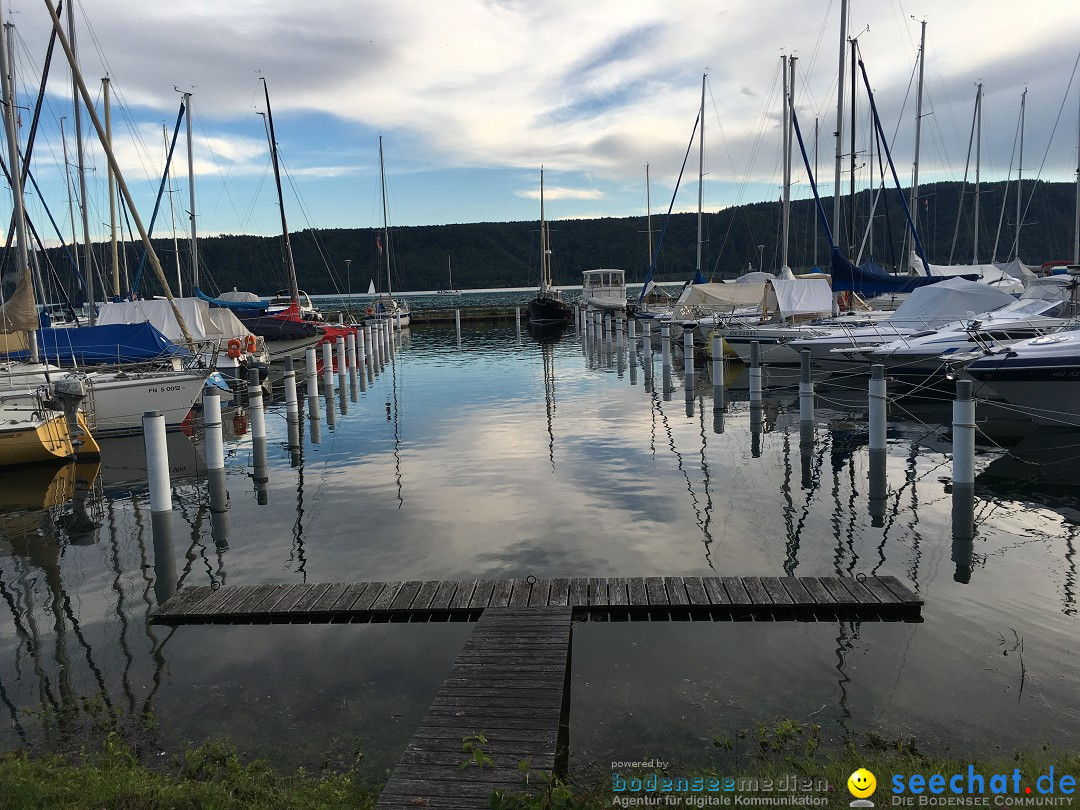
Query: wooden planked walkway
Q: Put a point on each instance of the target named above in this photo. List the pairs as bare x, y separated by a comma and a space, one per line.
654, 598
508, 683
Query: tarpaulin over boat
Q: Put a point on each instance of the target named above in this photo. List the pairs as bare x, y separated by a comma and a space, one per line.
115, 343
949, 301
203, 322
794, 297
869, 279
244, 302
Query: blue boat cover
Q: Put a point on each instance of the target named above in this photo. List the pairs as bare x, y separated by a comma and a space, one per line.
235, 306
870, 279
112, 343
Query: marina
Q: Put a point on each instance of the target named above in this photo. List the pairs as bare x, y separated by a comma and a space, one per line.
397, 477
788, 481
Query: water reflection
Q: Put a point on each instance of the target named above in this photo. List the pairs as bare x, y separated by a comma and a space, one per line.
640, 488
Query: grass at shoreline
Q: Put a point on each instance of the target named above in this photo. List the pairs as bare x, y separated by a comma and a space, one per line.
783, 759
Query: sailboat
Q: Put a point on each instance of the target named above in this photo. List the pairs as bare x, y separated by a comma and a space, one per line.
449, 290
547, 309
385, 307
289, 324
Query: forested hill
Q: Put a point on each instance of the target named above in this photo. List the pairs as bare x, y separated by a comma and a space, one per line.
500, 254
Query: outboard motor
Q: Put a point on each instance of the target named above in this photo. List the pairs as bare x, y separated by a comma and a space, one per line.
70, 391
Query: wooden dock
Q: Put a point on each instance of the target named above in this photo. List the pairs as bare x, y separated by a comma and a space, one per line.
508, 683
646, 598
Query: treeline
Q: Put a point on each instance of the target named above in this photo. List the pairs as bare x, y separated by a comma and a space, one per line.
506, 254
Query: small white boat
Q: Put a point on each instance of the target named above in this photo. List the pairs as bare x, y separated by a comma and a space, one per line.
604, 289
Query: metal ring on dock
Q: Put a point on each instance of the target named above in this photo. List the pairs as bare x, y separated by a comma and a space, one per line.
531, 579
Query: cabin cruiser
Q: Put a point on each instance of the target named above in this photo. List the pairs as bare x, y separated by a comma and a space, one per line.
918, 359
604, 289
1038, 377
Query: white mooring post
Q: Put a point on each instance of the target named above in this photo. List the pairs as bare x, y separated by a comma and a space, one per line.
256, 418
213, 445
719, 392
350, 347
341, 361
312, 372
963, 438
328, 368
292, 408
646, 334
877, 403
157, 461
755, 374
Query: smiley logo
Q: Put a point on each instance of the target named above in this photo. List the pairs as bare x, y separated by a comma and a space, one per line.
861, 783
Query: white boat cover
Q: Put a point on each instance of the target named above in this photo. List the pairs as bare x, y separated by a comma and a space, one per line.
987, 273
722, 297
240, 296
757, 277
949, 301
795, 297
1017, 269
204, 322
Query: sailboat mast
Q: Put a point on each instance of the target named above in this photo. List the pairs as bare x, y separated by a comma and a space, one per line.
701, 172
978, 154
191, 195
385, 221
22, 255
290, 267
839, 133
913, 207
86, 263
1019, 177
114, 253
125, 193
544, 280
789, 107
648, 212
1076, 221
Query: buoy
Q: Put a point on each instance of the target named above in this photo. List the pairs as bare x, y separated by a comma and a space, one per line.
235, 348
250, 344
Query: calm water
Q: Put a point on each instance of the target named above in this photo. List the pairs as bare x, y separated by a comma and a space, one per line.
504, 454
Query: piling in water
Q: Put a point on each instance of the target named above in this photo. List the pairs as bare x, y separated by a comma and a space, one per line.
719, 392
963, 436
256, 417
877, 402
312, 372
213, 444
157, 461
755, 373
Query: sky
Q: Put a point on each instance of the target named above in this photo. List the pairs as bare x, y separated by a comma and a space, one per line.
473, 97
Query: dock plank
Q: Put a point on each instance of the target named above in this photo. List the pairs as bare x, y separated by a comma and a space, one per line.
519, 723
798, 598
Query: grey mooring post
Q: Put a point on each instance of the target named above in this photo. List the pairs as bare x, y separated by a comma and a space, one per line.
213, 444
806, 399
877, 403
256, 417
719, 392
755, 373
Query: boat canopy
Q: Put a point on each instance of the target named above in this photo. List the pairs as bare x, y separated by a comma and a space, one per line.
796, 297
203, 322
105, 343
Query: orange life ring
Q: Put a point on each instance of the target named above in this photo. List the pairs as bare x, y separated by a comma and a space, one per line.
250, 344
370, 310
239, 424
235, 348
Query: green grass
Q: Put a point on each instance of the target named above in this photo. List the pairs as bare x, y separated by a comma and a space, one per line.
215, 775
210, 776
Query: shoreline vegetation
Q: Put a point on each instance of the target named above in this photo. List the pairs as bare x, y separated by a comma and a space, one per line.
778, 765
